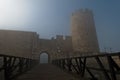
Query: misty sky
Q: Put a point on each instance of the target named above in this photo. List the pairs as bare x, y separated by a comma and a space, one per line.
52, 17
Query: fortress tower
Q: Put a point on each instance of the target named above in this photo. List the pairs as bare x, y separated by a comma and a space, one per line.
84, 36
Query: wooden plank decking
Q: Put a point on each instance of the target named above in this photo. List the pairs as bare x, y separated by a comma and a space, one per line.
46, 72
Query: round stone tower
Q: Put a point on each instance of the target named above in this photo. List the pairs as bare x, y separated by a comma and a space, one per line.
84, 36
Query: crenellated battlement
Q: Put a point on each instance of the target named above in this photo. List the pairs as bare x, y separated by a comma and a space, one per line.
68, 38
83, 11
61, 38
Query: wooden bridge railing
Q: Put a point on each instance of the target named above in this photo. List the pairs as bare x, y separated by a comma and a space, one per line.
12, 66
107, 65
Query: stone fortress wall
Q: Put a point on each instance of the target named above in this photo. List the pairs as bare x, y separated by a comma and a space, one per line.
28, 44
55, 47
58, 44
17, 43
84, 36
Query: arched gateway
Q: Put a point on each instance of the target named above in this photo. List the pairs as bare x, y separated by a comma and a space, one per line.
52, 48
44, 57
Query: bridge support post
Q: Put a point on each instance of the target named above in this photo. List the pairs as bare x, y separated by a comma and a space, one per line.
69, 63
6, 70
102, 68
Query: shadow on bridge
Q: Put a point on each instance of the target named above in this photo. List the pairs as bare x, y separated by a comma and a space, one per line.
46, 72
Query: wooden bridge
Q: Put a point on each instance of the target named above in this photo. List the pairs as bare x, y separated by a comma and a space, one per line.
46, 72
95, 67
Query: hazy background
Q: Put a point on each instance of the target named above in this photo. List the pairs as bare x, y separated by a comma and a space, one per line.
52, 17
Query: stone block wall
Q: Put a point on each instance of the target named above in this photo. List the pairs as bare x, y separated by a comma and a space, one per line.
17, 43
84, 38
